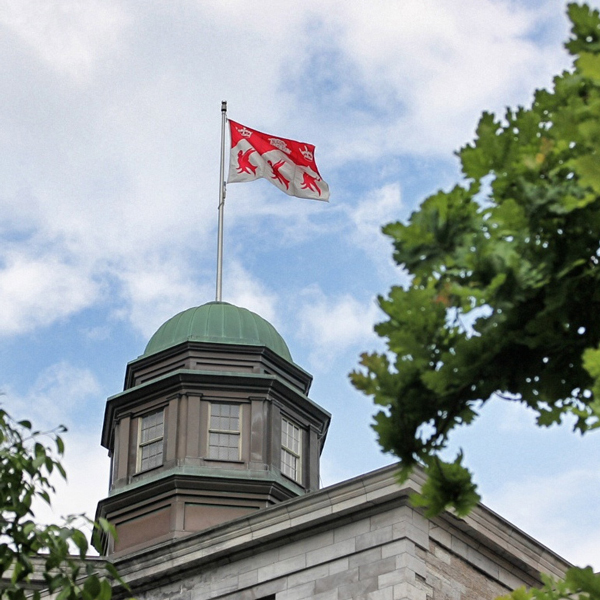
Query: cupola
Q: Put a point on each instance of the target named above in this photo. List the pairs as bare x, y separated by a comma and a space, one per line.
214, 423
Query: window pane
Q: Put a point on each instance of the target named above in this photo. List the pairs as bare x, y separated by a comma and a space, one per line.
291, 450
152, 455
151, 440
224, 431
289, 464
152, 426
290, 436
225, 417
224, 446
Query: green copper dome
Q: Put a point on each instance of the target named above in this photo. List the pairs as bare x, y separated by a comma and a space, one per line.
218, 322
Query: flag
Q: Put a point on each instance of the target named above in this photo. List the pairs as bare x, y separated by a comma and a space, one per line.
287, 164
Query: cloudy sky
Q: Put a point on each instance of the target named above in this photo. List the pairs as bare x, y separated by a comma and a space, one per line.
109, 169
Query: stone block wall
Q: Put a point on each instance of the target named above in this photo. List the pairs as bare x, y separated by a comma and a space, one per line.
394, 554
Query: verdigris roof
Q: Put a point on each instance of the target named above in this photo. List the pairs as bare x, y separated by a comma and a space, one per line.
218, 322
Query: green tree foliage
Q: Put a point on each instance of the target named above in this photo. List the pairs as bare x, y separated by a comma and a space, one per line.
34, 555
504, 299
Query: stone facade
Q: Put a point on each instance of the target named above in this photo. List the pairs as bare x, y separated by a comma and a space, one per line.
358, 539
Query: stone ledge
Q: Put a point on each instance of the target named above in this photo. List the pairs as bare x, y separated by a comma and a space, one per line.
482, 536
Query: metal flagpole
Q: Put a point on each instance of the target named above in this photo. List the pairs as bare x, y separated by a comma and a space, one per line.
222, 191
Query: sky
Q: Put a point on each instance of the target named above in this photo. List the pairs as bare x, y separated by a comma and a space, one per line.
109, 177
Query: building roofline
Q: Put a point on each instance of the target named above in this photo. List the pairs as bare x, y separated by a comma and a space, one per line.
322, 510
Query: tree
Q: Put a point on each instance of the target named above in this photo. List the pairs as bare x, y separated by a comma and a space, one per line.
504, 297
34, 556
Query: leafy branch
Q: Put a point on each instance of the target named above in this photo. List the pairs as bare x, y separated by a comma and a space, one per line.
33, 555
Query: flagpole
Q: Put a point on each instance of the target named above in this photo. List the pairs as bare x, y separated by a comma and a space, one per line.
221, 204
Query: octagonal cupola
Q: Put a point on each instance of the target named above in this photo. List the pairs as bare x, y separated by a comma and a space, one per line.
214, 422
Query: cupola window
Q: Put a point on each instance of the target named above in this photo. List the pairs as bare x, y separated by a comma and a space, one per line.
224, 432
151, 438
291, 450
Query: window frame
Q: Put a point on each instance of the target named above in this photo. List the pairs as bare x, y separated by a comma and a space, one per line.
285, 450
232, 432
144, 444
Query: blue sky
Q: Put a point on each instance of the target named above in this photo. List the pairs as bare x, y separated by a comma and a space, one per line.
109, 137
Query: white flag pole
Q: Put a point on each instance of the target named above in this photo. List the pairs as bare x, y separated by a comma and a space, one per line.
222, 191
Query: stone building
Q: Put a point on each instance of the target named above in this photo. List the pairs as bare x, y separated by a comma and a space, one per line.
215, 447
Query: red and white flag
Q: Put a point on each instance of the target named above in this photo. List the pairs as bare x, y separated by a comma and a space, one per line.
287, 164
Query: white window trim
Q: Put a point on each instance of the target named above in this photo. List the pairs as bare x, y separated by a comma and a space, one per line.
237, 432
140, 444
297, 455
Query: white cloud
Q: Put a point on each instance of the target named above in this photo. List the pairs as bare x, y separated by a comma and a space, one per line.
115, 175
379, 207
61, 394
333, 325
242, 289
560, 510
69, 36
35, 291
155, 292
431, 67
154, 296
289, 221
87, 466
57, 396
513, 417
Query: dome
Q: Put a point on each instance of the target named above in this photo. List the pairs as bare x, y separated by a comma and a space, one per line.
218, 322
